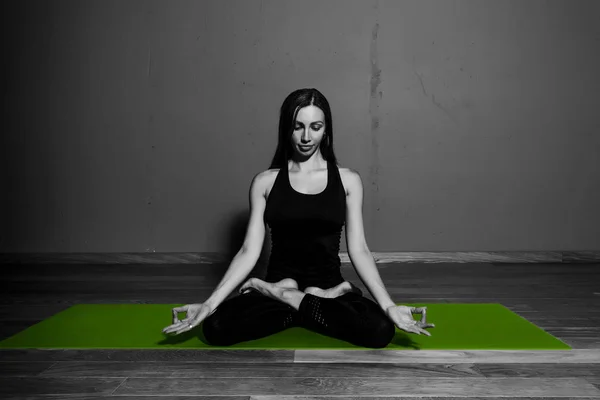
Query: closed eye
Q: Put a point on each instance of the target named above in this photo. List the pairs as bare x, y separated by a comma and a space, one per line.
317, 127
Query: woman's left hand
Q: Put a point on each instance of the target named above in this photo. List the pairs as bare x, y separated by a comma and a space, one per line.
401, 316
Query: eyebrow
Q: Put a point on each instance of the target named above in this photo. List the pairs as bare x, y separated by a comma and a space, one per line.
314, 122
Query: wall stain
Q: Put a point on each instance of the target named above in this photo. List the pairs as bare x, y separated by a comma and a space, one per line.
149, 62
421, 80
374, 105
438, 105
435, 103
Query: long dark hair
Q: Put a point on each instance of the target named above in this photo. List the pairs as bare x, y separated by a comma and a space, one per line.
287, 119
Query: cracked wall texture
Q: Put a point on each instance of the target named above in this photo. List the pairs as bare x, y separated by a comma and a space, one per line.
137, 126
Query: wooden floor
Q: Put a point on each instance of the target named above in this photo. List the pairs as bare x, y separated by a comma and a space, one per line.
563, 299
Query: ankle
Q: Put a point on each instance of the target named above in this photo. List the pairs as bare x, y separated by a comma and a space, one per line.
292, 297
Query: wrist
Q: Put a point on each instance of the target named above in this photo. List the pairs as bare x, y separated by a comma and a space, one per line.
210, 303
386, 307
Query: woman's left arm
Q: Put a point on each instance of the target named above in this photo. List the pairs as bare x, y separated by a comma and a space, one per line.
364, 264
358, 251
365, 267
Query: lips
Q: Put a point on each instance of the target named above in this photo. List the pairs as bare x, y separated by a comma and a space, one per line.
305, 148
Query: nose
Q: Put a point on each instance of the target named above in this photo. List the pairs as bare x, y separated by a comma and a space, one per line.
305, 137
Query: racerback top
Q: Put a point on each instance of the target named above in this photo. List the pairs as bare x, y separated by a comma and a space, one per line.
306, 231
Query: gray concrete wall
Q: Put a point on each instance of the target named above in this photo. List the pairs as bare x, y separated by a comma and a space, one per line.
134, 126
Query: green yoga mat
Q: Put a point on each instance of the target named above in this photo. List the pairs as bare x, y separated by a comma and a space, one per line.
139, 326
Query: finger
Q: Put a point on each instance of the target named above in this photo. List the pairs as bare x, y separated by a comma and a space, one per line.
421, 328
423, 331
417, 310
424, 317
409, 328
177, 328
169, 329
417, 330
176, 310
172, 328
186, 328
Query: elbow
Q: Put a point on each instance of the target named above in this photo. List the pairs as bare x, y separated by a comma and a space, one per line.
356, 253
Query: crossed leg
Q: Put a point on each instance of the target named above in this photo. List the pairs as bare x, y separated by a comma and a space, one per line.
286, 290
278, 306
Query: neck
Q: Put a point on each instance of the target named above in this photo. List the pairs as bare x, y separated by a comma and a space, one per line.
314, 163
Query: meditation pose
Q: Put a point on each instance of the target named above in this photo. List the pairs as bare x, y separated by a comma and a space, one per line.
306, 200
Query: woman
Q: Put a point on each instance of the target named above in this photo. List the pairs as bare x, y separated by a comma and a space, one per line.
306, 199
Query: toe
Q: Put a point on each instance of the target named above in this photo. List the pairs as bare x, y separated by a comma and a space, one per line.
247, 284
310, 290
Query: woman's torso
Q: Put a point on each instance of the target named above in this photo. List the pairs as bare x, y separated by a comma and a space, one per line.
305, 213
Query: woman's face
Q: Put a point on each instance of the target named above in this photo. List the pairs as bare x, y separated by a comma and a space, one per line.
309, 130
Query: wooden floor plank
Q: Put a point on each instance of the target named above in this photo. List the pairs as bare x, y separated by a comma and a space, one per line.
573, 387
594, 380
100, 397
278, 397
246, 370
549, 370
582, 343
585, 356
105, 386
133, 397
283, 397
23, 368
181, 355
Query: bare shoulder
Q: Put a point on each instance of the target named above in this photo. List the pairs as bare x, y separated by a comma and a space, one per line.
265, 179
349, 172
350, 178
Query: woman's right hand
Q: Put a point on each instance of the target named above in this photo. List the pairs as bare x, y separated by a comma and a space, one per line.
195, 314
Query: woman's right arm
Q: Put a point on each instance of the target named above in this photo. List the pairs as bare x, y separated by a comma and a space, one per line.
241, 266
247, 257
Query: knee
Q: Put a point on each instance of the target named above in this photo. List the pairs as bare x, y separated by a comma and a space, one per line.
381, 333
214, 331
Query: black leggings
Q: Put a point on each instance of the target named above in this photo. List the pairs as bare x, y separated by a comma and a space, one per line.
350, 317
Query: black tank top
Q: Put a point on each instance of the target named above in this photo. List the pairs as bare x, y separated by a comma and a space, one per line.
306, 231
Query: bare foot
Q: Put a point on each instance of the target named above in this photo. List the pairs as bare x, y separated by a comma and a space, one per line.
287, 283
331, 293
272, 290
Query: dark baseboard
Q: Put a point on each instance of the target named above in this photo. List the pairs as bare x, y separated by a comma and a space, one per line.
511, 257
